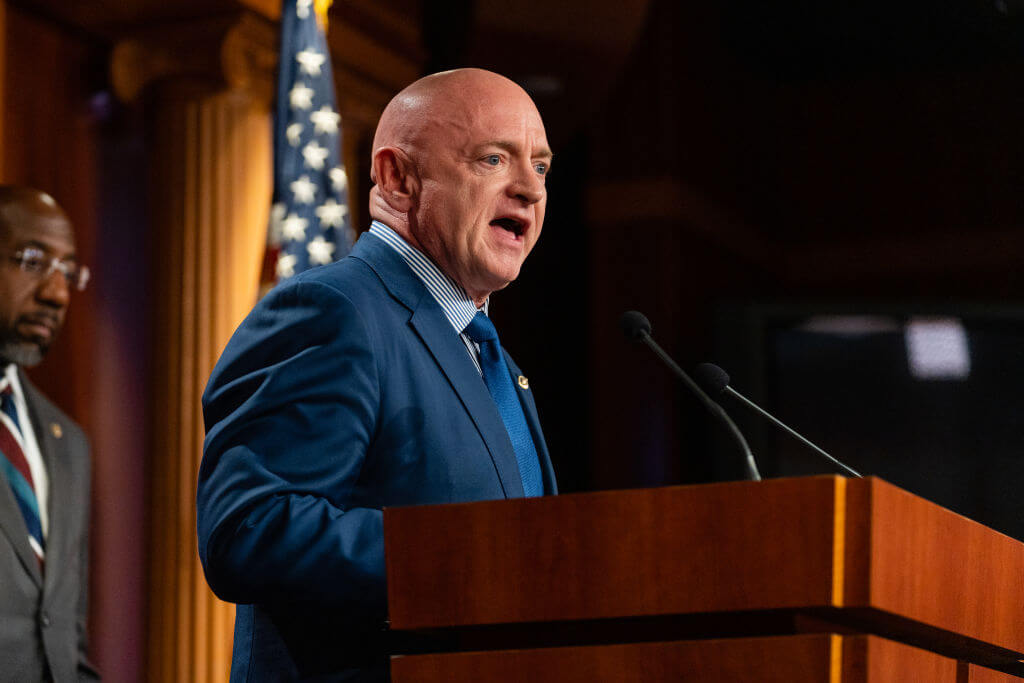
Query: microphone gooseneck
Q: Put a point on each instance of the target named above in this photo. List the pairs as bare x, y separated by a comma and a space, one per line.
715, 381
636, 327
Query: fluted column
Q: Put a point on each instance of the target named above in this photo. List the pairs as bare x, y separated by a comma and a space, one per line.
206, 89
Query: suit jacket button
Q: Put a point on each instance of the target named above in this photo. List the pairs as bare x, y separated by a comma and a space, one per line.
44, 619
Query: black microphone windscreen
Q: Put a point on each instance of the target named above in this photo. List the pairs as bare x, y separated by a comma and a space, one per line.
711, 378
635, 324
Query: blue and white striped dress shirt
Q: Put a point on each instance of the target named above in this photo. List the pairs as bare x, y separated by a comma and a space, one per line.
456, 304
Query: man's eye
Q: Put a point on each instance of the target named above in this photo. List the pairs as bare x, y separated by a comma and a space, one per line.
493, 159
33, 260
541, 168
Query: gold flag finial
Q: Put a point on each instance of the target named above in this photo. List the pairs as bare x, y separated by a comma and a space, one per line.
321, 7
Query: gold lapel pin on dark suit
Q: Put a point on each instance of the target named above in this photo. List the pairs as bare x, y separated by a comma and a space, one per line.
523, 382
56, 430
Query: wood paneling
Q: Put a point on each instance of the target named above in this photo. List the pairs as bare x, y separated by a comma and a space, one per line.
972, 673
718, 559
785, 659
935, 566
877, 660
679, 550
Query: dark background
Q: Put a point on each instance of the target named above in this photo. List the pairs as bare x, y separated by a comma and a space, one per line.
799, 152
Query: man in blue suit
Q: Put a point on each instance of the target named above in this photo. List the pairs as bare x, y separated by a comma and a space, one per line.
376, 381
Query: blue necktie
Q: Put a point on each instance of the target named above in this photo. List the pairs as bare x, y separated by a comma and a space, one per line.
499, 382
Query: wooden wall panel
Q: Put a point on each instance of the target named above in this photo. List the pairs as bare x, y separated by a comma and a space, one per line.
972, 673
801, 659
793, 659
616, 554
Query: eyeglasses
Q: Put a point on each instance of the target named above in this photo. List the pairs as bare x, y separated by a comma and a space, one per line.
36, 262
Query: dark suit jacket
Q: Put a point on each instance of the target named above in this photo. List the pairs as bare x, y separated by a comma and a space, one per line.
42, 618
344, 391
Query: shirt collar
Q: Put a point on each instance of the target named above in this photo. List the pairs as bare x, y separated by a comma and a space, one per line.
10, 378
458, 308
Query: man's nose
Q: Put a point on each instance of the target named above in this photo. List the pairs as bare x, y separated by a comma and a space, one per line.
528, 185
53, 289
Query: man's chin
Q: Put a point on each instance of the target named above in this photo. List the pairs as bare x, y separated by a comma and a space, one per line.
24, 354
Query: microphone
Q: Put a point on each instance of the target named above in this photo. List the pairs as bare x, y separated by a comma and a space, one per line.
715, 381
637, 327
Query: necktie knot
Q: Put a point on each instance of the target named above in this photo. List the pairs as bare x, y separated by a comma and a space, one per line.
480, 329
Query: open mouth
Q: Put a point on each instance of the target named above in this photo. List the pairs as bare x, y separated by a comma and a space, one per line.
512, 225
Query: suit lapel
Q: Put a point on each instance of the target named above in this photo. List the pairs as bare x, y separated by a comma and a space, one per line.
55, 456
449, 352
12, 525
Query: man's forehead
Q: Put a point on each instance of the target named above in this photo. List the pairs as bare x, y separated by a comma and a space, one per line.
21, 227
464, 103
484, 123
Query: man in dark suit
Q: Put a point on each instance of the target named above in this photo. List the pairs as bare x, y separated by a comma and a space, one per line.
376, 381
44, 456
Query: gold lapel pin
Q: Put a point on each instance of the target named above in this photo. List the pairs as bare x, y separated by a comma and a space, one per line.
56, 430
523, 382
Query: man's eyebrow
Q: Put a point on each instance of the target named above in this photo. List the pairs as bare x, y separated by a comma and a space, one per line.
46, 248
543, 153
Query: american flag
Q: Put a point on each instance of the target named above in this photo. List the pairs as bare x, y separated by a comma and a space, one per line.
309, 221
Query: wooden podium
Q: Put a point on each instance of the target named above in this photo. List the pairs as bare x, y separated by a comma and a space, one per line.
809, 579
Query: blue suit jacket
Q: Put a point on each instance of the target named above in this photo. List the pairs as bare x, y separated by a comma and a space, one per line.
345, 390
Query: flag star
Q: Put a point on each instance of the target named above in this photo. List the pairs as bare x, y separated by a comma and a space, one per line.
304, 190
314, 155
286, 265
310, 62
302, 8
325, 120
294, 134
339, 179
294, 227
300, 97
320, 251
331, 213
277, 212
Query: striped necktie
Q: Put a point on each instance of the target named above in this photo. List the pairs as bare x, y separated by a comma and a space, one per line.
499, 382
15, 466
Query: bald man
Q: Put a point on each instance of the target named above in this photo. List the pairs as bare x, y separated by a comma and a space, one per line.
44, 457
376, 381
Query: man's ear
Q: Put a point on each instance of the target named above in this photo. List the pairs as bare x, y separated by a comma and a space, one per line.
395, 176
